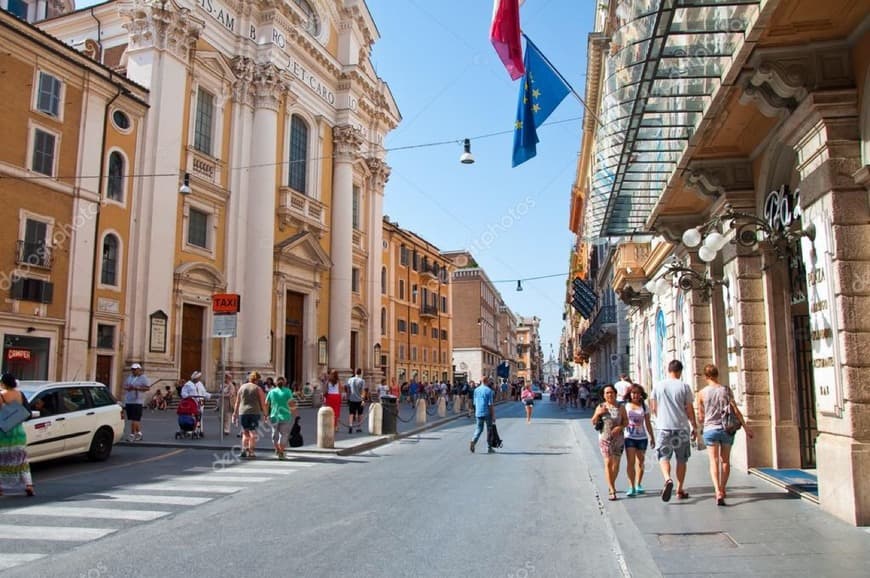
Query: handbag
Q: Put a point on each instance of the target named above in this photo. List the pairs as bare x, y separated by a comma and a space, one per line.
296, 435
730, 423
12, 414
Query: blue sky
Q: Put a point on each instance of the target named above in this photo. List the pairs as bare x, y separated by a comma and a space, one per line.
450, 85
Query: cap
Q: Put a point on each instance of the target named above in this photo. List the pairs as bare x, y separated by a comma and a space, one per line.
135, 366
196, 375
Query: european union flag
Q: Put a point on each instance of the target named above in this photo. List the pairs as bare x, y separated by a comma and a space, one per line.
540, 93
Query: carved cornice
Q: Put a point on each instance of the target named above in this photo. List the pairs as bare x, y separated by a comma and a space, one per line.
380, 172
348, 141
164, 26
269, 85
715, 178
243, 69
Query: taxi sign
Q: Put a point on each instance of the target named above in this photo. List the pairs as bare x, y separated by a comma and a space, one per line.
226, 303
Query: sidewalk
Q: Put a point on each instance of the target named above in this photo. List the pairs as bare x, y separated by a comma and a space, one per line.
764, 530
159, 428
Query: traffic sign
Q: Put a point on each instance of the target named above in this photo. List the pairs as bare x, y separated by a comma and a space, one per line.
226, 303
225, 325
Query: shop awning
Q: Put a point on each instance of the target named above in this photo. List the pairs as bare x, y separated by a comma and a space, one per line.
666, 60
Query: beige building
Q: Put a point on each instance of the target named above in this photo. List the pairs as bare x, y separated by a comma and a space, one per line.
740, 191
530, 358
72, 136
261, 173
416, 309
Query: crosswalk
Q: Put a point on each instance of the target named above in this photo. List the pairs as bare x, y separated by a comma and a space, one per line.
29, 533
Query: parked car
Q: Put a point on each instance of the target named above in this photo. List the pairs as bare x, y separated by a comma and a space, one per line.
69, 418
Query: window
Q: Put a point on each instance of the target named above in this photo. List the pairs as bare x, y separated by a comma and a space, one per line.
354, 280
109, 274
105, 336
121, 120
312, 21
383, 321
402, 352
401, 288
383, 280
26, 289
43, 152
443, 304
197, 229
434, 333
298, 154
414, 293
356, 207
101, 397
204, 125
48, 97
18, 8
444, 335
33, 249
416, 261
115, 184
415, 329
72, 399
402, 325
404, 256
414, 353
425, 355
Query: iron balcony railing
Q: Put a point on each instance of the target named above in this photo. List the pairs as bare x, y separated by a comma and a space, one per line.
606, 315
34, 254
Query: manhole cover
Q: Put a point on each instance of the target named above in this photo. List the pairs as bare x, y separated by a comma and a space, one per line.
692, 540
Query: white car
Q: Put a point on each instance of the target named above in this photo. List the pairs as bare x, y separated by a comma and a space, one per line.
71, 417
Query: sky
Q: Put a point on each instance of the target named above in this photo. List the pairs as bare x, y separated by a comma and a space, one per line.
450, 85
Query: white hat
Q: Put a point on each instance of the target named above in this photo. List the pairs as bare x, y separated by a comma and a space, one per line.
196, 375
135, 366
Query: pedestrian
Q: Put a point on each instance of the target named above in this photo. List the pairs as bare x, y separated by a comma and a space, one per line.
332, 396
528, 397
250, 407
584, 395
14, 467
638, 436
484, 412
281, 408
671, 404
715, 400
135, 387
622, 387
357, 392
229, 390
383, 390
610, 421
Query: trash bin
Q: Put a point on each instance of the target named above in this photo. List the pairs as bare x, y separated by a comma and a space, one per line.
390, 409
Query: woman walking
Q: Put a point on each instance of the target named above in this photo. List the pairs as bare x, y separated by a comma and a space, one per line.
714, 402
250, 407
229, 390
333, 396
528, 397
14, 468
638, 436
281, 408
610, 420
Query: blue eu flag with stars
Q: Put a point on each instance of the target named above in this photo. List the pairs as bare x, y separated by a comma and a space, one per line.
541, 92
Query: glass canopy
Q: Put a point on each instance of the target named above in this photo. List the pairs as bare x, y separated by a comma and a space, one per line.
666, 60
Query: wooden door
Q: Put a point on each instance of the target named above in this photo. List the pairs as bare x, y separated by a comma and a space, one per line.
104, 371
294, 329
191, 340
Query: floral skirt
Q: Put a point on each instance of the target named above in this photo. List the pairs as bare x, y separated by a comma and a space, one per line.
14, 469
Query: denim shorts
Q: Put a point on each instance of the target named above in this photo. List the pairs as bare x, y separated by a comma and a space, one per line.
718, 436
639, 445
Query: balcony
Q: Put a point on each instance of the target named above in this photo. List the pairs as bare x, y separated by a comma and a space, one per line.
601, 329
430, 270
359, 240
33, 254
629, 274
301, 211
204, 166
428, 311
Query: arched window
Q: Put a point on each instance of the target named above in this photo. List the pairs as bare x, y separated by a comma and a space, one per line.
298, 154
383, 280
383, 320
109, 275
115, 184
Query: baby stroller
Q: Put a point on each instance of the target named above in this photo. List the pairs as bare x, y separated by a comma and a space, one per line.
189, 419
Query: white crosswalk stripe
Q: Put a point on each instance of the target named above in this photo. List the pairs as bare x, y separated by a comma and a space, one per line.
11, 560
247, 470
152, 499
179, 485
221, 478
76, 512
53, 533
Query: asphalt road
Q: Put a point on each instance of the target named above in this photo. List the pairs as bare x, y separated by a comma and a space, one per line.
422, 506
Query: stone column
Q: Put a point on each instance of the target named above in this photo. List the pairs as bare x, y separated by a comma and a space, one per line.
255, 317
347, 141
379, 174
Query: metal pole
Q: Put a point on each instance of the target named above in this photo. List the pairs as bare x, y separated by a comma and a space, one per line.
223, 386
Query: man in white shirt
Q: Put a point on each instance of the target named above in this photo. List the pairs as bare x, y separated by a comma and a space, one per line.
671, 404
194, 387
622, 387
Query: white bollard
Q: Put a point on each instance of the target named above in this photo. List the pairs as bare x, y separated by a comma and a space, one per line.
375, 419
325, 428
457, 403
421, 412
442, 407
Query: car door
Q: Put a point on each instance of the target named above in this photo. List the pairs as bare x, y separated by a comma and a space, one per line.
45, 434
79, 418
108, 411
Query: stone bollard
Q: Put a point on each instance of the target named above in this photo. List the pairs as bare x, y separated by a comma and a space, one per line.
421, 412
325, 428
457, 403
375, 419
442, 407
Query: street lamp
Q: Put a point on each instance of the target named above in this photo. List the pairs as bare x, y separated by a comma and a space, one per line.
687, 280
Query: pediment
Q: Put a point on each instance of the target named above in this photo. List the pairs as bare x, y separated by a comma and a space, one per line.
303, 248
201, 275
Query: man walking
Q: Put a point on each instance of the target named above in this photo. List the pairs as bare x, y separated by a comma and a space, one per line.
671, 404
135, 387
484, 411
622, 387
356, 391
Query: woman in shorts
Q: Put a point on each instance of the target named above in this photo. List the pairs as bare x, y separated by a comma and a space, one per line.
638, 436
528, 398
610, 420
250, 408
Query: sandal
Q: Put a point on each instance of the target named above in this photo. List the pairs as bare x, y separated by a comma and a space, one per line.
666, 492
29, 491
682, 495
612, 496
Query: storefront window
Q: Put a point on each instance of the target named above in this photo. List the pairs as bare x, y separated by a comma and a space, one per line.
26, 357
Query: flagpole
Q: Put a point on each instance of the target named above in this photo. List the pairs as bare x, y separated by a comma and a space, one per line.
565, 80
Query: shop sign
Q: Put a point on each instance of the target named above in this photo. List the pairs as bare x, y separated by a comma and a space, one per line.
818, 260
18, 355
729, 296
157, 326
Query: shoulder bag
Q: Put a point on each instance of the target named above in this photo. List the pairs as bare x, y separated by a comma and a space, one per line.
12, 414
730, 422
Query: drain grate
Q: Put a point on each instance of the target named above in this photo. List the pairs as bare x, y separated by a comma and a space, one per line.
693, 540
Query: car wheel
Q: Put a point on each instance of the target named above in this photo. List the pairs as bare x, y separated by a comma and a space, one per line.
101, 445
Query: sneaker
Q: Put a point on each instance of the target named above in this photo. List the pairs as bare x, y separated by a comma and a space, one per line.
131, 438
631, 492
490, 450
350, 430
358, 430
471, 446
639, 489
138, 437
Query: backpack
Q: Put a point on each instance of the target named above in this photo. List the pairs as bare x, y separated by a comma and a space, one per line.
296, 435
492, 437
